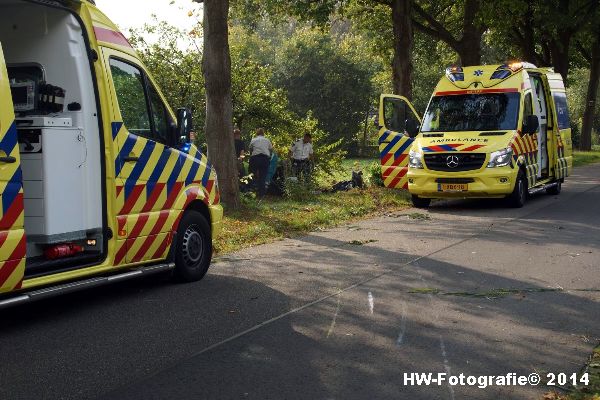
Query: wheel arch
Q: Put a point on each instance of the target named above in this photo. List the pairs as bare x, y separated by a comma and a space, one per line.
201, 207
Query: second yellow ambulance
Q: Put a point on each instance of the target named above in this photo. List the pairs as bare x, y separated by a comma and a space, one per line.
489, 131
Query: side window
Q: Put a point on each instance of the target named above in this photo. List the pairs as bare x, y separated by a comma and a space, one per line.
527, 105
562, 110
160, 117
129, 87
394, 114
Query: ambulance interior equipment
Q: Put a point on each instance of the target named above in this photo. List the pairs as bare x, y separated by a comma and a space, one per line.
59, 137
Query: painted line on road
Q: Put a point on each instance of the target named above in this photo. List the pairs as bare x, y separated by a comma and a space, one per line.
402, 326
337, 311
446, 365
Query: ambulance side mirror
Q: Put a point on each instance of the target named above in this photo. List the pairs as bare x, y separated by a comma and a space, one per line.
412, 127
531, 123
184, 125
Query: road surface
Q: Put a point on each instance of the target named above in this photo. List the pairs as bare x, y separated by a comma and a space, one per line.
337, 314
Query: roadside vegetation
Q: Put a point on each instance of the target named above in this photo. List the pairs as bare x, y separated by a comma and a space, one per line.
307, 209
590, 392
586, 157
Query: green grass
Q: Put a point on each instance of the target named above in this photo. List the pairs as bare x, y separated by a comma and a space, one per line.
589, 392
345, 172
586, 157
258, 222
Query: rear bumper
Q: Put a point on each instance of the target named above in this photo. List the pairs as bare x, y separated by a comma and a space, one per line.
486, 182
216, 219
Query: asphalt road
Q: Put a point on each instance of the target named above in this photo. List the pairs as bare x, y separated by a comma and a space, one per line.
319, 317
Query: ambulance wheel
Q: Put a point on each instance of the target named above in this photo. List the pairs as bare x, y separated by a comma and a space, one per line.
518, 197
555, 190
193, 251
420, 202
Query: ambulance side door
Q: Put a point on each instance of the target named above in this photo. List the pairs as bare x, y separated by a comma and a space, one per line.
147, 169
394, 142
12, 233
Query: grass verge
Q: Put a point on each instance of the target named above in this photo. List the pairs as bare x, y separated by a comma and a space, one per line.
586, 157
588, 392
258, 222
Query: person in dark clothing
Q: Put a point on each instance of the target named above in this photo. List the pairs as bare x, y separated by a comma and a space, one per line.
261, 150
240, 152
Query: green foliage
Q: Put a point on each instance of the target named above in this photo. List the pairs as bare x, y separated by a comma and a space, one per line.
375, 174
173, 57
330, 79
576, 93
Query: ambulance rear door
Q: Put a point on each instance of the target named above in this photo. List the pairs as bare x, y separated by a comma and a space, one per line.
394, 141
12, 233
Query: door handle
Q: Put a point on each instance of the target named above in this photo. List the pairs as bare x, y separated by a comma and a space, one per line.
8, 160
131, 159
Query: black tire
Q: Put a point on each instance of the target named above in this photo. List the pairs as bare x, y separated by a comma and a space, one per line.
518, 197
420, 202
555, 190
193, 251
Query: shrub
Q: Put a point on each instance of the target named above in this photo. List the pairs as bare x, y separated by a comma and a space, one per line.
375, 174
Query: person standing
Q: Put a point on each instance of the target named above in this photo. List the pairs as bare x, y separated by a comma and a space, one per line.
301, 153
260, 156
240, 151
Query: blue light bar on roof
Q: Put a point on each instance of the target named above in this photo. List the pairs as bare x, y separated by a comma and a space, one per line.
455, 74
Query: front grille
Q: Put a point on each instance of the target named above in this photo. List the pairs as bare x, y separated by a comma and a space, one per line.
463, 161
454, 180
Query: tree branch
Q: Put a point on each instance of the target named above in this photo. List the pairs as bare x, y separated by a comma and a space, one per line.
435, 28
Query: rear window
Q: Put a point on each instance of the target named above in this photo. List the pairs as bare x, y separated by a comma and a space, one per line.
472, 112
562, 110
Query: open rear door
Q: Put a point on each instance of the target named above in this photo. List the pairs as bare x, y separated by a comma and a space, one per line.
394, 142
12, 234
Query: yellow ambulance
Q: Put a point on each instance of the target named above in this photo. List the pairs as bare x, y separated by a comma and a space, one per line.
98, 179
489, 131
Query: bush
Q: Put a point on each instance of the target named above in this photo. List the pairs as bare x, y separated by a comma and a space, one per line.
375, 174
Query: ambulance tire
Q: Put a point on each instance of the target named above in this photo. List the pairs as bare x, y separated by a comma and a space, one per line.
193, 251
518, 197
555, 190
420, 202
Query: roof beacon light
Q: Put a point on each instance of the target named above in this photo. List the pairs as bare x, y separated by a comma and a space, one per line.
455, 73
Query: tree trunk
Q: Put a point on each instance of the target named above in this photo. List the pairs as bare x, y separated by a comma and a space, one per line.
402, 67
469, 49
216, 66
559, 51
592, 92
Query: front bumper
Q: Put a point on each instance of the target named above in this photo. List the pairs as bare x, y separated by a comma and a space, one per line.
216, 219
485, 182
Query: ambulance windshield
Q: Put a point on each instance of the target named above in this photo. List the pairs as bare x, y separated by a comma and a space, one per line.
472, 112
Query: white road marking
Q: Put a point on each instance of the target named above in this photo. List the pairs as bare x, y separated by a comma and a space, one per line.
337, 310
446, 365
402, 326
371, 302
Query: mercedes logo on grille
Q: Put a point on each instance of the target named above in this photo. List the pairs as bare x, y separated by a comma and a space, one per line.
452, 161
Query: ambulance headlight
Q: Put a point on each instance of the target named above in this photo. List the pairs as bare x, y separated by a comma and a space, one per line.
415, 159
500, 158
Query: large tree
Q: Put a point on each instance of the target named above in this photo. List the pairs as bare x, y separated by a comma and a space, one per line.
592, 55
543, 30
320, 12
442, 19
216, 65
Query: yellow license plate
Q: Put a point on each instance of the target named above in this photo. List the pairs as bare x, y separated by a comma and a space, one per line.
453, 187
